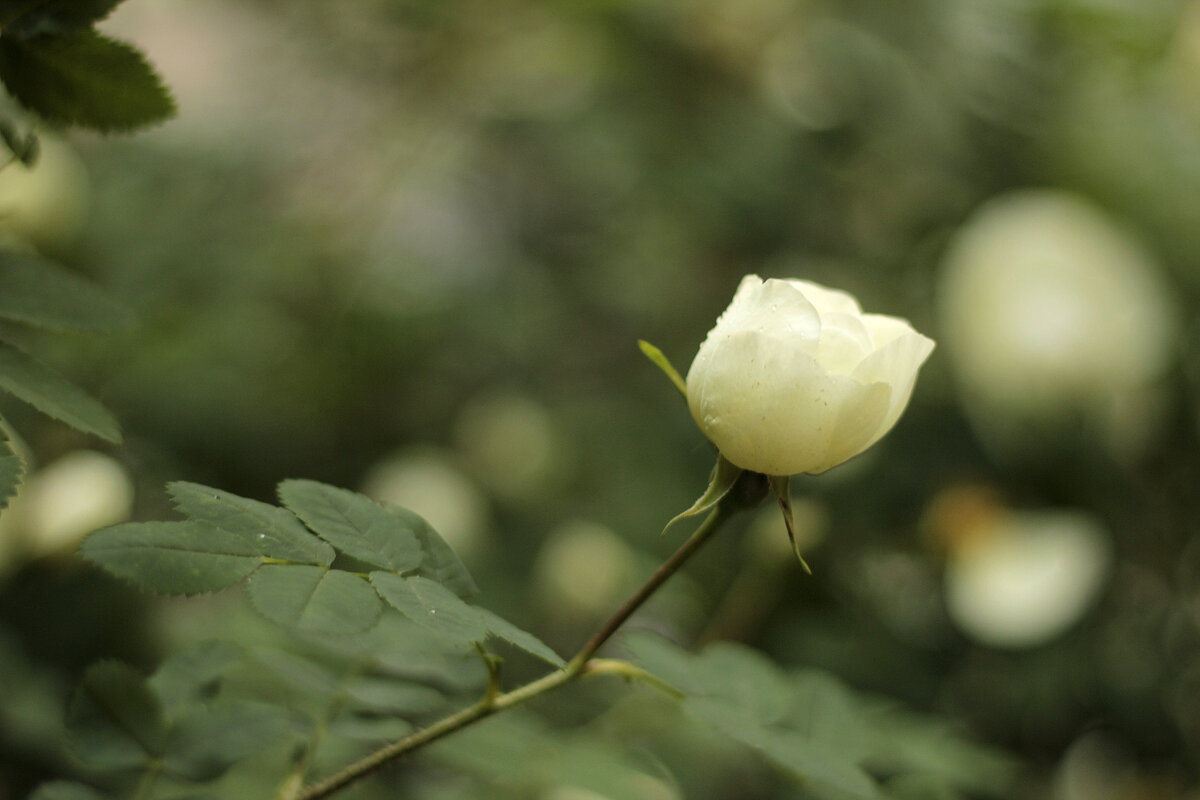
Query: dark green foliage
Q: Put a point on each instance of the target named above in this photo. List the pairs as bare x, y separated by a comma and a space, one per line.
23, 19
61, 790
83, 78
54, 395
37, 292
807, 724
116, 721
11, 469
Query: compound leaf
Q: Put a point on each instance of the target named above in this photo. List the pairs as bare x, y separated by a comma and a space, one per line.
84, 78
54, 395
428, 603
270, 530
314, 599
38, 292
354, 524
503, 629
172, 557
114, 719
438, 560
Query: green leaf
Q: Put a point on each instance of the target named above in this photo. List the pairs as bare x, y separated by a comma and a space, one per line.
369, 727
809, 760
722, 478
191, 677
662, 362
302, 673
394, 696
172, 557
354, 524
38, 292
114, 720
428, 603
438, 559
204, 745
62, 790
503, 629
83, 78
270, 530
314, 599
11, 470
25, 147
52, 394
24, 19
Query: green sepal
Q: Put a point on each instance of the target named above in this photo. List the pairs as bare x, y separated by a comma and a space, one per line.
660, 361
780, 485
724, 476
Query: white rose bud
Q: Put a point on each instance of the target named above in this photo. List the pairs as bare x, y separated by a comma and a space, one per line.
796, 378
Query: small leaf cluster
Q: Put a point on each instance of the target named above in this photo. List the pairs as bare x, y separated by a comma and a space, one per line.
37, 293
327, 562
807, 724
55, 63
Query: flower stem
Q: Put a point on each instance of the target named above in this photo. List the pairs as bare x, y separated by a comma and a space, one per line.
581, 664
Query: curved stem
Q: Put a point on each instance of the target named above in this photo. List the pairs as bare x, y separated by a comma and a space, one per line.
581, 664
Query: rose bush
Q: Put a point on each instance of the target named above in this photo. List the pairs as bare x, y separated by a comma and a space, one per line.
796, 378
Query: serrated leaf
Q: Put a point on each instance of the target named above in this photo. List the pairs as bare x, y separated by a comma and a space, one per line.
62, 790
438, 559
722, 478
428, 603
114, 720
272, 531
84, 78
192, 676
354, 524
24, 19
171, 557
503, 629
38, 292
205, 744
11, 470
52, 394
391, 695
314, 599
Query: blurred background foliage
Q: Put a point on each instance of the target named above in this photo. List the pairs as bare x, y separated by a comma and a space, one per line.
408, 247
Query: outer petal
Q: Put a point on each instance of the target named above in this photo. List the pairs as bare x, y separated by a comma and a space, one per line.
827, 299
772, 408
896, 363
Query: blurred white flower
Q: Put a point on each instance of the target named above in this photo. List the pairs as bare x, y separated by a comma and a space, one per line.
427, 482
65, 500
1018, 579
1048, 307
796, 378
583, 568
45, 204
510, 443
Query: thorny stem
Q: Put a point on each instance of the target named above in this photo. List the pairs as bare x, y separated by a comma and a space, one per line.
582, 664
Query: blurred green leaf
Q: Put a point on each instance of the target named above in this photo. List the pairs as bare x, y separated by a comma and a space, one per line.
303, 673
114, 720
11, 470
172, 557
428, 603
270, 530
369, 727
392, 695
190, 677
39, 292
205, 744
54, 395
314, 599
439, 561
354, 524
24, 147
812, 761
24, 19
503, 629
61, 790
84, 78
